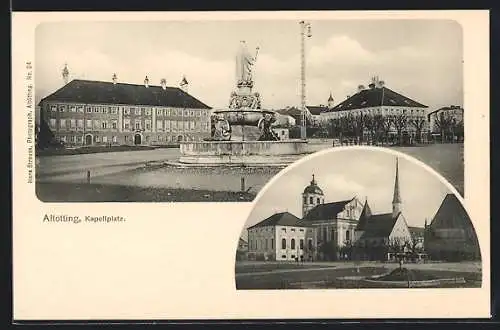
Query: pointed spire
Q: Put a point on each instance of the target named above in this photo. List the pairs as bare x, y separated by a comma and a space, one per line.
331, 97
396, 200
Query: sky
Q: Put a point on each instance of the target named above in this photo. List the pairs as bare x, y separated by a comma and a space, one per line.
421, 59
345, 174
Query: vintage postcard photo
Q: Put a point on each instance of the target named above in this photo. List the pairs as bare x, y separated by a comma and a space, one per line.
358, 219
210, 110
250, 165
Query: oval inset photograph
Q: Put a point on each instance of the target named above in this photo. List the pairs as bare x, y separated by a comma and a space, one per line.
358, 217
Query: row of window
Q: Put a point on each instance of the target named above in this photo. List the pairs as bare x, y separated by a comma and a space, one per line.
311, 200
138, 111
263, 244
97, 124
379, 111
324, 234
88, 108
78, 139
292, 229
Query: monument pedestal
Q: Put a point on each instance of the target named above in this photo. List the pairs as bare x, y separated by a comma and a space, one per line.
242, 152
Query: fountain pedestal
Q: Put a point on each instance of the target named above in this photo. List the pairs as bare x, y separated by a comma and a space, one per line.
249, 153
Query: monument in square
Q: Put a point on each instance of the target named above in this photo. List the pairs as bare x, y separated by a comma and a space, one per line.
242, 134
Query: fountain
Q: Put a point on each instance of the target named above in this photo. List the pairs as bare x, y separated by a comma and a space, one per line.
242, 134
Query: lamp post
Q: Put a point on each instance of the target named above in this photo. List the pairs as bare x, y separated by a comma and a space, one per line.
305, 31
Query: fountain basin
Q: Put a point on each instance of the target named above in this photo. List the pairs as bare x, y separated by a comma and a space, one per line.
244, 117
242, 152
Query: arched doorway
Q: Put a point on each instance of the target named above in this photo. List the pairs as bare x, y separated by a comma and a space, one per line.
179, 138
88, 139
137, 139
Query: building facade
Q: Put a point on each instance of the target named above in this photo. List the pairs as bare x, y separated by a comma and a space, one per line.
392, 113
84, 113
447, 123
279, 237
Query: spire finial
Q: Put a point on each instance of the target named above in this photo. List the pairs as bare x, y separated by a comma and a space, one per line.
313, 181
396, 200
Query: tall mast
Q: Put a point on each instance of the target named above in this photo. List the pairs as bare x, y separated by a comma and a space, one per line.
303, 27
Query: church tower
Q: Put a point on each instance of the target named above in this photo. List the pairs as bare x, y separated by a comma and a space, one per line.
330, 101
396, 200
312, 196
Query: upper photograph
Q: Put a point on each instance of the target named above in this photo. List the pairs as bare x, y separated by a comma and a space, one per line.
210, 111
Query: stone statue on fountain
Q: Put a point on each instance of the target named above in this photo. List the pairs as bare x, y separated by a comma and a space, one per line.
244, 98
244, 105
265, 126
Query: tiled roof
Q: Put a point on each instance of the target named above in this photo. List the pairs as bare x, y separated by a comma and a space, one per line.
326, 211
375, 97
292, 111
317, 109
379, 226
451, 214
279, 219
101, 92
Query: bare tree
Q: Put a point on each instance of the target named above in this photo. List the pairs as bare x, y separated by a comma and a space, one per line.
400, 122
359, 126
443, 121
378, 126
370, 127
456, 127
418, 123
386, 128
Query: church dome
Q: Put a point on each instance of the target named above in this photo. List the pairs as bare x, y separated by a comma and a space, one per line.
313, 188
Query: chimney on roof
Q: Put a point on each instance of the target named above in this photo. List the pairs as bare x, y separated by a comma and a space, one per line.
348, 96
184, 84
381, 83
374, 82
163, 83
361, 88
146, 82
114, 78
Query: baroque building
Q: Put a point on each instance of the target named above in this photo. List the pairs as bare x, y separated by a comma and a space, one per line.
85, 112
345, 229
397, 113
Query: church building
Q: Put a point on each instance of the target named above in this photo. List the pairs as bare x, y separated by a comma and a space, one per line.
451, 236
345, 229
